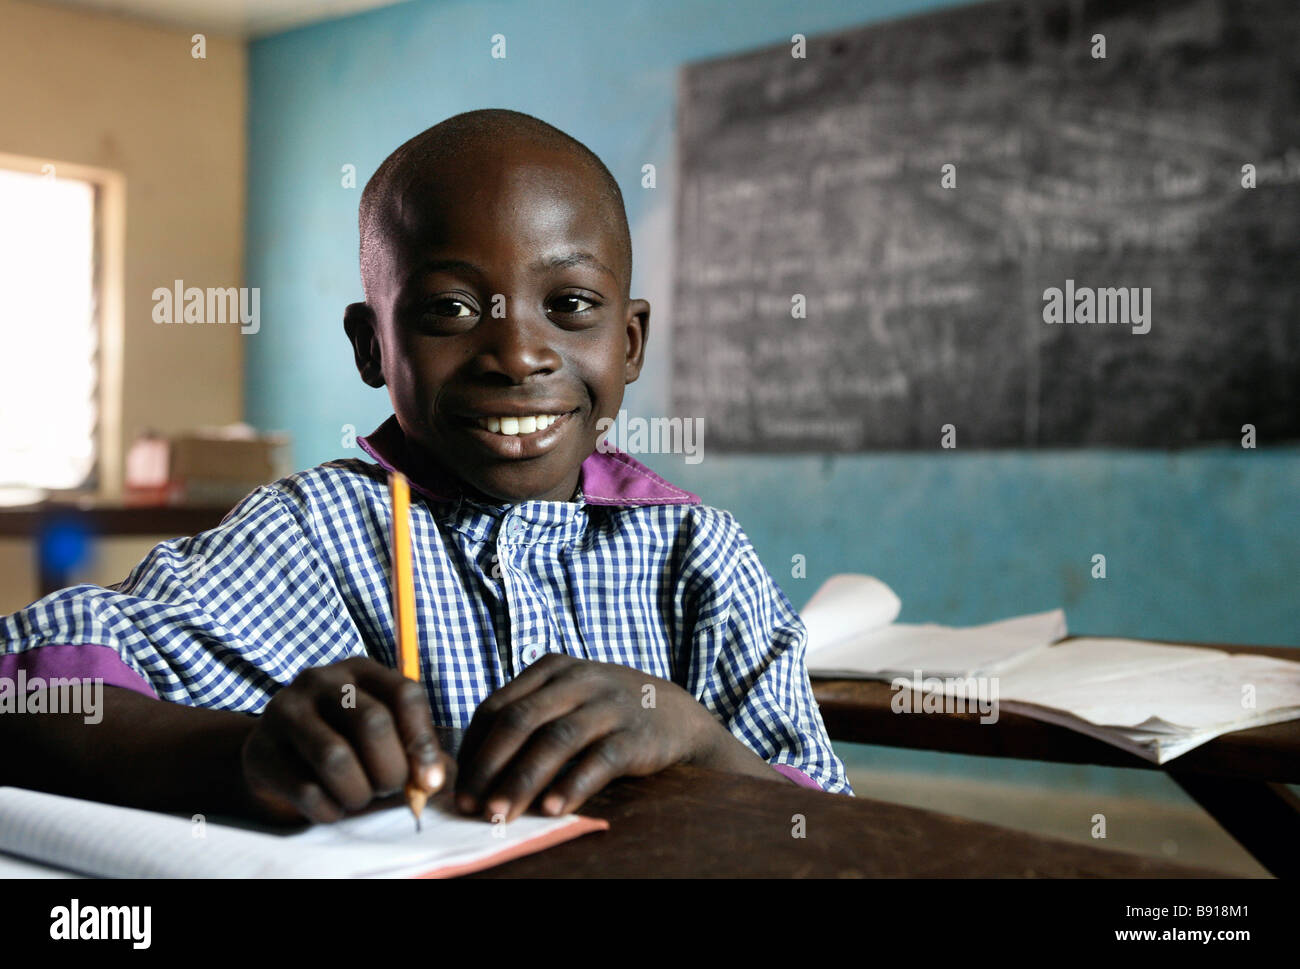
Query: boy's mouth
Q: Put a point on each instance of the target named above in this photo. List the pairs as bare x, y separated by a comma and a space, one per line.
517, 436
522, 424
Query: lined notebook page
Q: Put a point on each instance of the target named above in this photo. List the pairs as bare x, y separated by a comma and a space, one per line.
107, 840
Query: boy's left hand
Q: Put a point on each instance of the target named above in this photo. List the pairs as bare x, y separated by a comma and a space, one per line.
563, 708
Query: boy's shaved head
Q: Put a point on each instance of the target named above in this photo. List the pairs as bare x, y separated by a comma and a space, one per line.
416, 167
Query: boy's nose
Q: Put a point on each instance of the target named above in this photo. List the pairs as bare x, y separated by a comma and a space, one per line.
516, 345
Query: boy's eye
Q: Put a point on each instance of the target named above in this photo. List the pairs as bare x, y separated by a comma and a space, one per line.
448, 307
572, 304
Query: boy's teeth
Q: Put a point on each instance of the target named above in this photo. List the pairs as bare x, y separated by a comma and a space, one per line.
519, 425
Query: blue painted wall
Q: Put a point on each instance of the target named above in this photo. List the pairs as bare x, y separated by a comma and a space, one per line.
1200, 545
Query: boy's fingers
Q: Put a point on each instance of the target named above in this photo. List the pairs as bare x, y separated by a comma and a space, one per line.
368, 725
332, 761
529, 681
544, 755
606, 760
408, 703
533, 678
505, 731
278, 776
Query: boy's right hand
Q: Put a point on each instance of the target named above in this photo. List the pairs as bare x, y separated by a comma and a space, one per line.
338, 737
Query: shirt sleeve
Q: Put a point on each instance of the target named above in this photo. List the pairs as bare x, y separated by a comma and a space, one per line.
222, 619
749, 665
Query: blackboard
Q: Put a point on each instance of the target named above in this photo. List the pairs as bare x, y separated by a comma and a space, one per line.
821, 176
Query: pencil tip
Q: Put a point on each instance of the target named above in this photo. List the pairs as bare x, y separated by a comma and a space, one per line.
416, 799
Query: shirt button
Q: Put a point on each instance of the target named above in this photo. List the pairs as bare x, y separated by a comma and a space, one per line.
532, 653
514, 528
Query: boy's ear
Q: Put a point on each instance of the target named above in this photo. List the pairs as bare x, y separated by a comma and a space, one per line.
638, 330
359, 324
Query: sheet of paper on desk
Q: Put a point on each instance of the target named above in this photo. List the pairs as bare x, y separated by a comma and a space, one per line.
1128, 683
852, 633
1156, 700
111, 841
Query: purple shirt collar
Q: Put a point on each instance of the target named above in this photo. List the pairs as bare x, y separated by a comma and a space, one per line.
606, 478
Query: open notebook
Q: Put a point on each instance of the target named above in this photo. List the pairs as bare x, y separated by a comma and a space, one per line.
1154, 700
110, 841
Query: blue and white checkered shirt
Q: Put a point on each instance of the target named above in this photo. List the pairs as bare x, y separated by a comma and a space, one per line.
296, 576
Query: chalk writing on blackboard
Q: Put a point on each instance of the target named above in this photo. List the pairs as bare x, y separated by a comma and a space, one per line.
817, 182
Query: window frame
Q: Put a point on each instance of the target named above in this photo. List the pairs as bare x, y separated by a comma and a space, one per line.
109, 187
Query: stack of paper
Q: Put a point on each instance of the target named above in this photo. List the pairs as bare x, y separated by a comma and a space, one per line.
111, 841
1154, 700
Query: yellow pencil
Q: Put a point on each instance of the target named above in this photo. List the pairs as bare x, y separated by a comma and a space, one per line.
403, 582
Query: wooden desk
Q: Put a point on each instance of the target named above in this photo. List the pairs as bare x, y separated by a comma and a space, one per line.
102, 520
689, 822
1238, 777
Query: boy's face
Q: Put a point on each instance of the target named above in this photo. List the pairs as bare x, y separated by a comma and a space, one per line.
502, 295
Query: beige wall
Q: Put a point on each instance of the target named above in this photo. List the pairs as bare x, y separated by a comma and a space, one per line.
117, 94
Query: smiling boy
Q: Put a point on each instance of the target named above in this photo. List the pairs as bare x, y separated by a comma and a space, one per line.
581, 618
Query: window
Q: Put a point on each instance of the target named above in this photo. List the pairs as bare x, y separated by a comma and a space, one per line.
49, 331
